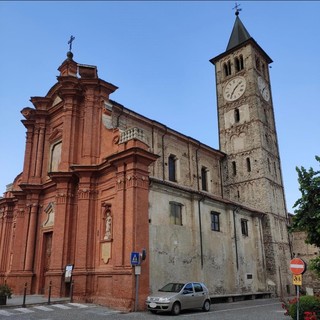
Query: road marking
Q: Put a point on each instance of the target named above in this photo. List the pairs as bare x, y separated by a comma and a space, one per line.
43, 308
231, 309
5, 313
24, 310
79, 305
61, 306
249, 307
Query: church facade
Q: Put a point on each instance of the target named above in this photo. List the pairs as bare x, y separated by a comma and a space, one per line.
101, 181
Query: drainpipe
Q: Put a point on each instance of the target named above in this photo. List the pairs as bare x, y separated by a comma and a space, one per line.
197, 167
200, 230
162, 140
235, 210
199, 206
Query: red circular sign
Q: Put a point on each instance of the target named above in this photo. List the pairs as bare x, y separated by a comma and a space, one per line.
297, 266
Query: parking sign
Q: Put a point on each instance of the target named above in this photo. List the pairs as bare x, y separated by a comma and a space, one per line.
135, 258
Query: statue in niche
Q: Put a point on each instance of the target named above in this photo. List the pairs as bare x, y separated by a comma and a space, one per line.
108, 223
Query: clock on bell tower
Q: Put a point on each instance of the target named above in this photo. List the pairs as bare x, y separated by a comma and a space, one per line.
247, 134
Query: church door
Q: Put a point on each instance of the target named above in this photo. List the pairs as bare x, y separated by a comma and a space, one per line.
47, 243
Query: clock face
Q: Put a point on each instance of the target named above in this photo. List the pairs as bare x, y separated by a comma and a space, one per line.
234, 88
263, 88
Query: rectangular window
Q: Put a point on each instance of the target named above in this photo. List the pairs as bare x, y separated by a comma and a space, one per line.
176, 213
244, 227
204, 180
172, 168
215, 221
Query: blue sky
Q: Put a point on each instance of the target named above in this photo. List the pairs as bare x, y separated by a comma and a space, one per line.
157, 53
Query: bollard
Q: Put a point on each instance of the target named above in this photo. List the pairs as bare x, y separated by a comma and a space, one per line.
24, 295
71, 291
49, 294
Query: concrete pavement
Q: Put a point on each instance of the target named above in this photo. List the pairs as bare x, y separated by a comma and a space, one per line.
33, 299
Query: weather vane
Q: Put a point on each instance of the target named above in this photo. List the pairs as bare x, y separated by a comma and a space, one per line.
70, 42
236, 7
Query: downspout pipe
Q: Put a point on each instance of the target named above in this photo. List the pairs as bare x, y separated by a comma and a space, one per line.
235, 210
163, 159
200, 230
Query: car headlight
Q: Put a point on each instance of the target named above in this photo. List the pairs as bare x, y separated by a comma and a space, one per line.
164, 300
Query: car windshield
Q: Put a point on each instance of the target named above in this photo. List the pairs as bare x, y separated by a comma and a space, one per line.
172, 287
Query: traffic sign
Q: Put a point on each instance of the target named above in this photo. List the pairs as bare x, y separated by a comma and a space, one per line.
297, 279
297, 266
135, 258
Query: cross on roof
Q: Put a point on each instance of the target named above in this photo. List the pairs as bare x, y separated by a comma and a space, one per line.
70, 42
236, 7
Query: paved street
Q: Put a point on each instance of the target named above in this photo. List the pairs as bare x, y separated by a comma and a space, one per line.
262, 309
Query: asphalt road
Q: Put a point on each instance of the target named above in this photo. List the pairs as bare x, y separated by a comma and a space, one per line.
261, 309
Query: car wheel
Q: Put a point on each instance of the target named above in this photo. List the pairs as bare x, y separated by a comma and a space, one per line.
206, 306
176, 308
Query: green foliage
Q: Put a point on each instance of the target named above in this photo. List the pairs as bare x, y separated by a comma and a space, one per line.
314, 265
307, 214
5, 290
306, 303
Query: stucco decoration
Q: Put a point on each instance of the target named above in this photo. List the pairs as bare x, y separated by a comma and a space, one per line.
49, 210
106, 251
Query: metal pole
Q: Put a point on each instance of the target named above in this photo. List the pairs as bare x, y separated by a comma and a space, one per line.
297, 302
49, 295
24, 295
137, 293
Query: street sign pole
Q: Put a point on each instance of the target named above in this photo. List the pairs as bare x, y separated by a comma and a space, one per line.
136, 259
298, 302
297, 267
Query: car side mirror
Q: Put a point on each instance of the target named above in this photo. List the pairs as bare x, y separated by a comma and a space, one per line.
185, 292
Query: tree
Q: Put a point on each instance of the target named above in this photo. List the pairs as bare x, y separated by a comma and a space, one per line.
307, 214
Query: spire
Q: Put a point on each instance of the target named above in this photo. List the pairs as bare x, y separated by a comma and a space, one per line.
239, 32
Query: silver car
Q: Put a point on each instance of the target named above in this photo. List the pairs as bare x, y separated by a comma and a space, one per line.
175, 297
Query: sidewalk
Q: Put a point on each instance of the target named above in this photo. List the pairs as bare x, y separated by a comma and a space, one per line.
33, 299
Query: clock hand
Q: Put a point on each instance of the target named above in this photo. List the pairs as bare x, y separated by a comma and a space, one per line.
234, 89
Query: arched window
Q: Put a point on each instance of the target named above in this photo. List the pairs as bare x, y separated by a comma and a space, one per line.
55, 157
258, 63
237, 64
234, 168
236, 115
241, 62
248, 164
238, 61
227, 68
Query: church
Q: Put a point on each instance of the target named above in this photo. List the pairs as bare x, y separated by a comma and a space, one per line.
101, 183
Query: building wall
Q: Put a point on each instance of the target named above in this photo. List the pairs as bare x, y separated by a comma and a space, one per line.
306, 252
226, 260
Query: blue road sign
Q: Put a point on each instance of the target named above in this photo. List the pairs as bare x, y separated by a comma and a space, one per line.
135, 258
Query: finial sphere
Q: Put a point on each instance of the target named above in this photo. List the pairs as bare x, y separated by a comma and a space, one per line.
69, 55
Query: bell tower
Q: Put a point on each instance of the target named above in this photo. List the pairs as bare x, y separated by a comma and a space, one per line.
247, 134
